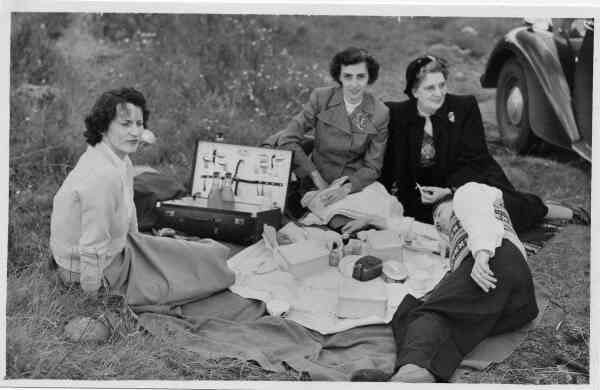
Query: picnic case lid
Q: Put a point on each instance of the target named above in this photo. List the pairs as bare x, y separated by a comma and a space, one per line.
260, 176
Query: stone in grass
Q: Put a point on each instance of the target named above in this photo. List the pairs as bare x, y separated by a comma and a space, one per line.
86, 329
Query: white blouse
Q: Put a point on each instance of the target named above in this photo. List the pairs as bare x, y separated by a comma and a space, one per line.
480, 211
92, 213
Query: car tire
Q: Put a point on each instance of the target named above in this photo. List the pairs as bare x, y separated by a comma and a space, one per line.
512, 108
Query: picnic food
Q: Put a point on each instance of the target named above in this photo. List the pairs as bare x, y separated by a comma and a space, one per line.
361, 299
367, 268
394, 272
304, 258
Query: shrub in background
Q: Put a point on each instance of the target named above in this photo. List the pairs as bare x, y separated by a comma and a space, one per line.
205, 74
202, 74
241, 75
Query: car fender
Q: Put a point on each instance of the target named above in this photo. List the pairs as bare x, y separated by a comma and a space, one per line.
550, 110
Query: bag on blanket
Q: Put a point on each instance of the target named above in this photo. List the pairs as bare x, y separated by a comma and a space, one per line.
148, 188
372, 202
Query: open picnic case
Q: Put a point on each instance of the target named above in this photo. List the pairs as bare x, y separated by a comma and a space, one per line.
258, 178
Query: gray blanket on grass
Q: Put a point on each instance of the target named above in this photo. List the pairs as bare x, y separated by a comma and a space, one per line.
227, 325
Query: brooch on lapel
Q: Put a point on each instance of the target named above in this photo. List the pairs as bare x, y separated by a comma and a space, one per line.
360, 119
451, 116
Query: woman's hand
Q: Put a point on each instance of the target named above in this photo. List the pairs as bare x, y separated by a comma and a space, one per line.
430, 194
481, 272
318, 180
355, 225
335, 195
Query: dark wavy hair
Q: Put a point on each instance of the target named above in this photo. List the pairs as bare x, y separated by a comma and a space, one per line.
419, 67
105, 110
436, 206
351, 56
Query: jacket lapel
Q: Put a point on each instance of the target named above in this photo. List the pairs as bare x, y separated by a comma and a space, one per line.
415, 135
365, 113
335, 114
441, 128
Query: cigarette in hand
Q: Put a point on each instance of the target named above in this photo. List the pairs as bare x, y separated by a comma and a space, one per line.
419, 188
423, 190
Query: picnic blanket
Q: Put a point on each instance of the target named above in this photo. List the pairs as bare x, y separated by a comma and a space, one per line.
227, 324
313, 299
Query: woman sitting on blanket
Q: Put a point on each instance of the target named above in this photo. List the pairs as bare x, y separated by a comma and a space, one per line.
488, 290
94, 234
350, 131
437, 143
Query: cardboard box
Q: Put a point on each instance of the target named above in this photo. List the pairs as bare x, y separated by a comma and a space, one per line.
304, 258
384, 244
361, 299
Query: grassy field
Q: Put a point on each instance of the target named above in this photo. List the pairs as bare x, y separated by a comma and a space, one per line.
244, 76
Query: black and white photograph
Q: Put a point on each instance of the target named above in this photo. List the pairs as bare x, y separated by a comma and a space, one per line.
256, 197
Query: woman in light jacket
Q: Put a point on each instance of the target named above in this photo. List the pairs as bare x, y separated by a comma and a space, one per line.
350, 129
437, 140
94, 236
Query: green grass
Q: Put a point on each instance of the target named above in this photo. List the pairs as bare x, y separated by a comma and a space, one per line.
245, 76
38, 308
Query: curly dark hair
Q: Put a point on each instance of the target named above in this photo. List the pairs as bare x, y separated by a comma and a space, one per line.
105, 110
351, 56
419, 68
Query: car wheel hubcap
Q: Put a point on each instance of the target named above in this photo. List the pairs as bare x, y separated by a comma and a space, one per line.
514, 105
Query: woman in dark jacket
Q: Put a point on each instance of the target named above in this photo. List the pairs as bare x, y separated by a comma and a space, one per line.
437, 143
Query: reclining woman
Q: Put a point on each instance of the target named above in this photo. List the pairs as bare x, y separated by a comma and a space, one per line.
437, 143
94, 235
488, 290
350, 129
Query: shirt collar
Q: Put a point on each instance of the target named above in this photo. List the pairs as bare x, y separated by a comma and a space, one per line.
111, 155
350, 107
367, 103
415, 114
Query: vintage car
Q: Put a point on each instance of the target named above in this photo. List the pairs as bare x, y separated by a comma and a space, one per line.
543, 75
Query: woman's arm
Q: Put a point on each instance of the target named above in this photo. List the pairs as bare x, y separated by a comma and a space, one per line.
133, 223
373, 157
473, 155
292, 136
473, 205
97, 204
388, 171
395, 172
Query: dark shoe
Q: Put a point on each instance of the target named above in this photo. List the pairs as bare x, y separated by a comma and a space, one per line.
580, 216
370, 375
